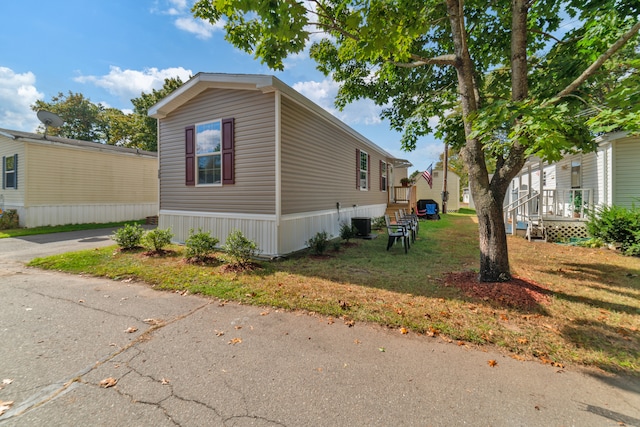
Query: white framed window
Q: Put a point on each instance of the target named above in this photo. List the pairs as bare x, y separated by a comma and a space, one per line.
383, 176
576, 174
9, 171
208, 141
364, 170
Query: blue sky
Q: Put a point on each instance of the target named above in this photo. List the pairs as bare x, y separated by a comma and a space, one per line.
112, 50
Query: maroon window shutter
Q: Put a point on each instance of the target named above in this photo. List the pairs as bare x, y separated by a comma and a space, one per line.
368, 172
227, 151
357, 168
190, 155
381, 181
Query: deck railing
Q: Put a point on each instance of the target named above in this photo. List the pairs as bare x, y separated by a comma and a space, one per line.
567, 203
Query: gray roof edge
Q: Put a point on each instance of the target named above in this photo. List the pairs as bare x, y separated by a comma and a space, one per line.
40, 138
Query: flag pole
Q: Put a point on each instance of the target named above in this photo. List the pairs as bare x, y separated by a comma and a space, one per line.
445, 193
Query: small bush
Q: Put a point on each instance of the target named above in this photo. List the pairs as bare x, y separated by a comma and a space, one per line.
347, 231
157, 239
199, 245
129, 236
240, 249
319, 243
8, 219
617, 225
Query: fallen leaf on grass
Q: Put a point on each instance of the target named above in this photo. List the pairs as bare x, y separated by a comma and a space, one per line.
432, 332
131, 329
235, 341
404, 331
492, 363
108, 382
330, 321
522, 341
5, 406
349, 323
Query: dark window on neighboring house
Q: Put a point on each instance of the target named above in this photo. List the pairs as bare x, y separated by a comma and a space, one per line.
576, 174
10, 171
209, 153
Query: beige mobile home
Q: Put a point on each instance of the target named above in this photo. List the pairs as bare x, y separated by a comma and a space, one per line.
423, 191
55, 181
248, 152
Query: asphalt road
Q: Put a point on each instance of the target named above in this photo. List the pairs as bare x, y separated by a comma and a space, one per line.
193, 361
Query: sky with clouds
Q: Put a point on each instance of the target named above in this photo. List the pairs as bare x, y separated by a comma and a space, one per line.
113, 50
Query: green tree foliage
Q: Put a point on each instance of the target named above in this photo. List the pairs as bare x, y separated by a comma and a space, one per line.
87, 121
519, 89
145, 135
82, 118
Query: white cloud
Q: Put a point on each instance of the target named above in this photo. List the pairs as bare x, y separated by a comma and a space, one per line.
17, 93
130, 83
184, 19
323, 93
202, 29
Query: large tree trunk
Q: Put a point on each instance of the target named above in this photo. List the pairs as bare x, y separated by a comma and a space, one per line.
488, 195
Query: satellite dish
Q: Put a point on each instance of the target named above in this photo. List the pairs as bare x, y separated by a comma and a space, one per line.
49, 119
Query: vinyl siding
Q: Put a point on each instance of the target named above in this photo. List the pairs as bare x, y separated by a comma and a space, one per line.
319, 162
254, 188
626, 190
423, 191
62, 175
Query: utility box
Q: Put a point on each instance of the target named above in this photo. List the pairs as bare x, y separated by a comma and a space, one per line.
363, 225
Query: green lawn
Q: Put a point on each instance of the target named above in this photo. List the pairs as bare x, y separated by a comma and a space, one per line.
590, 316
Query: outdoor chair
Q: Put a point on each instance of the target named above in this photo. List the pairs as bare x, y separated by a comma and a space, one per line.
411, 216
407, 223
395, 232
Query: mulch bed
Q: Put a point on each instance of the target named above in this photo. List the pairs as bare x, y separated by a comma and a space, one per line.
517, 293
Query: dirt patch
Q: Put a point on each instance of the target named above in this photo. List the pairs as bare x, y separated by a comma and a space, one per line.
239, 268
518, 293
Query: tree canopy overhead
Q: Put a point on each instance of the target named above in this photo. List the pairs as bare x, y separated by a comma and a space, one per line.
515, 77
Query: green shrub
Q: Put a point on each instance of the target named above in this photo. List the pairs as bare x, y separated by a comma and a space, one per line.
129, 236
347, 231
240, 249
8, 219
157, 239
199, 245
319, 243
618, 225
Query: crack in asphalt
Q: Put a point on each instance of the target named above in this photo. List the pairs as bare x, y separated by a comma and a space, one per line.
52, 391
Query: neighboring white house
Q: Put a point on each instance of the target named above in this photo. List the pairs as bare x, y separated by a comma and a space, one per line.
565, 191
57, 181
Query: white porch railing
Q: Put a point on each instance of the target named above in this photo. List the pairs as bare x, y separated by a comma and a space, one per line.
567, 203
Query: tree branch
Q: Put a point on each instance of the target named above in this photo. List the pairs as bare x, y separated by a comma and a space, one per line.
597, 64
420, 61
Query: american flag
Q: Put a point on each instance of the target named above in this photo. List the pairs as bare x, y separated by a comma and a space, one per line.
427, 175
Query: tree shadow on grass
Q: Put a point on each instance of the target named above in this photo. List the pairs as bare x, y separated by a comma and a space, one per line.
618, 345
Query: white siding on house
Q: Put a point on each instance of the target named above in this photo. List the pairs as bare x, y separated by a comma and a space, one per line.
626, 174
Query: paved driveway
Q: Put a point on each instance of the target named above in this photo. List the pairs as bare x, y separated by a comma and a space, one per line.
192, 361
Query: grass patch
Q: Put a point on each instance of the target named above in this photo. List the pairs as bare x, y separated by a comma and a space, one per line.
19, 232
590, 313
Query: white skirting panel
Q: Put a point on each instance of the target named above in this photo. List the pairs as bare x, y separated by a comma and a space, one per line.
259, 228
36, 216
292, 234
